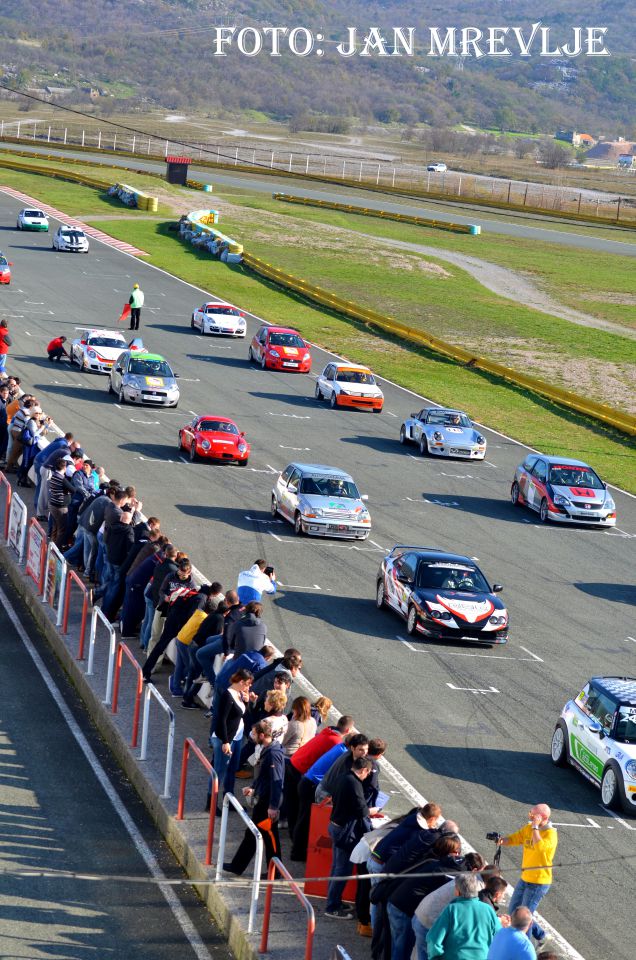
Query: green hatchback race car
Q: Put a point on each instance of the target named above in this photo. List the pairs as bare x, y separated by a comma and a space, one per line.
596, 733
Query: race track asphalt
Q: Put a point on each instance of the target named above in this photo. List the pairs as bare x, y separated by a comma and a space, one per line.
484, 756
492, 221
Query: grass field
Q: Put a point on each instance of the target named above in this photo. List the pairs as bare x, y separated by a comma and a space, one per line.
525, 417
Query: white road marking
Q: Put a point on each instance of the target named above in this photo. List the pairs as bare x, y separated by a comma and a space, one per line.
592, 825
258, 520
383, 549
183, 459
389, 414
533, 655
118, 406
616, 817
458, 476
290, 416
273, 469
633, 639
296, 586
68, 383
317, 540
27, 333
190, 379
152, 459
469, 653
473, 689
297, 449
493, 465
617, 532
192, 412
440, 503
135, 835
144, 421
35, 303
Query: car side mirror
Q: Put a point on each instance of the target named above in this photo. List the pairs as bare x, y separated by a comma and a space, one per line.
413, 415
365, 496
594, 726
497, 587
242, 314
404, 579
83, 342
292, 488
176, 376
10, 264
241, 434
118, 369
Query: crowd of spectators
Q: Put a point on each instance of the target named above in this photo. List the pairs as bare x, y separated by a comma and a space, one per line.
437, 901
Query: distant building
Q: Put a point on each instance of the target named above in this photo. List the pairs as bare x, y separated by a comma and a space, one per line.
58, 91
609, 151
576, 139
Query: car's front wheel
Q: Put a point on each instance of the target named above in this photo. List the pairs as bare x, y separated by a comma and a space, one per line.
274, 506
411, 621
514, 494
193, 452
423, 446
559, 745
250, 356
263, 362
612, 787
403, 437
192, 324
298, 525
110, 386
318, 394
380, 595
333, 400
243, 463
121, 397
544, 513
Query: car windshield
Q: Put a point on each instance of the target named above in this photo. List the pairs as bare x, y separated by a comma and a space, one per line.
626, 725
445, 419
217, 426
329, 487
72, 234
228, 311
34, 213
107, 342
3, 261
286, 340
354, 376
562, 475
451, 576
150, 368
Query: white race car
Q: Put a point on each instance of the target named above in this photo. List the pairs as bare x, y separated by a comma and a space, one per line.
440, 432
70, 240
97, 349
32, 219
219, 318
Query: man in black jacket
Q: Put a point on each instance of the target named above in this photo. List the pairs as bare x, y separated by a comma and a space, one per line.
250, 632
268, 790
349, 821
119, 543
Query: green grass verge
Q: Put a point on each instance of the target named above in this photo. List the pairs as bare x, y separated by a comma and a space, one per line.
511, 410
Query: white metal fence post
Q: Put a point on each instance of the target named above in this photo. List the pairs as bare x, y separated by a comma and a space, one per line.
344, 164
65, 133
18, 131
99, 139
393, 180
133, 144
151, 691
258, 859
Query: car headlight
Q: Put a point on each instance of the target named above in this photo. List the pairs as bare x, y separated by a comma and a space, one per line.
480, 440
442, 615
561, 501
609, 504
630, 769
497, 621
241, 447
307, 358
205, 444
274, 353
92, 354
241, 323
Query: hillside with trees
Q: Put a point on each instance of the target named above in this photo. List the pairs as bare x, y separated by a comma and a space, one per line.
158, 52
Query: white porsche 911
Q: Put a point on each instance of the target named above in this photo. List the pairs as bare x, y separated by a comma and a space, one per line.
441, 432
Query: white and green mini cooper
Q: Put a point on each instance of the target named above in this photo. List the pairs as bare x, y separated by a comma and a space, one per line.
597, 734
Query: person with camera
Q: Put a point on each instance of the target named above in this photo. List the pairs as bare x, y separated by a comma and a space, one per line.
256, 581
539, 841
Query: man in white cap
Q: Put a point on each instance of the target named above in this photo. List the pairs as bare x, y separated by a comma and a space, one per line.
136, 302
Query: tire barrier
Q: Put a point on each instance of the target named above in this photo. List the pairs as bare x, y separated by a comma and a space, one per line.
133, 198
474, 229
198, 228
623, 422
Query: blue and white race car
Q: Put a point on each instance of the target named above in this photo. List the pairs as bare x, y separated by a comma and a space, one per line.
441, 432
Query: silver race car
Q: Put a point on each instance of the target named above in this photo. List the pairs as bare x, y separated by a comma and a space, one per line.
441, 432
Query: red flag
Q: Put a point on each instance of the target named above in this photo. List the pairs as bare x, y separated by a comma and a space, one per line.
125, 314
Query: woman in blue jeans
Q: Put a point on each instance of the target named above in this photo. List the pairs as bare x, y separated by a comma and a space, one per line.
227, 731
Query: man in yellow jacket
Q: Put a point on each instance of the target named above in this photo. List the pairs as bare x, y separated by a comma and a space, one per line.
539, 841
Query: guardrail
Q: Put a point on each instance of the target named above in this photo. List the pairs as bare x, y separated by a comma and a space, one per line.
198, 227
624, 422
9, 493
124, 650
133, 198
51, 580
188, 746
473, 229
151, 691
95, 616
55, 173
36, 553
276, 865
258, 858
72, 577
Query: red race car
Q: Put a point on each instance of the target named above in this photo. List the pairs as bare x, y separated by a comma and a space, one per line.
280, 348
214, 438
5, 269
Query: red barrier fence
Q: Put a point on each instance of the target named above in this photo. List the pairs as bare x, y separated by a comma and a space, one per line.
3, 480
36, 554
121, 651
72, 577
190, 745
276, 865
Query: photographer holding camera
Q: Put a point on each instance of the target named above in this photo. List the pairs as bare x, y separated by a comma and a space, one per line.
539, 841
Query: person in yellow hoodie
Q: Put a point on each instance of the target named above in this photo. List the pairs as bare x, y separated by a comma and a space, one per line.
184, 640
539, 841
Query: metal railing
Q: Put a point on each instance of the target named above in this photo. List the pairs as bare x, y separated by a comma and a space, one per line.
50, 581
95, 616
188, 746
258, 859
276, 865
339, 953
151, 691
36, 553
72, 577
124, 650
9, 494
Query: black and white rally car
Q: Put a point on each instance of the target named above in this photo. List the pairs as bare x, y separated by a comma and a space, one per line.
442, 596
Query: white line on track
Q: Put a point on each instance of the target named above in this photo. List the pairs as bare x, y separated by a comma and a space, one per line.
493, 465
180, 915
296, 586
389, 414
27, 333
616, 817
533, 658
473, 689
592, 825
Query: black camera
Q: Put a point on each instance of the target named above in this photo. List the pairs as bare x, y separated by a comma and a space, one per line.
495, 837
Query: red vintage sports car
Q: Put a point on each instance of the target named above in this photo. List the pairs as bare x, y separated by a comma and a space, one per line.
214, 438
280, 348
